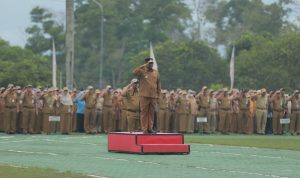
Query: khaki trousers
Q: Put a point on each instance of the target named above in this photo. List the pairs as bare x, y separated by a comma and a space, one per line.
1, 122
234, 122
242, 121
295, 122
183, 122
108, 118
277, 128
212, 121
89, 120
133, 120
29, 119
261, 120
10, 117
147, 105
163, 120
224, 123
204, 112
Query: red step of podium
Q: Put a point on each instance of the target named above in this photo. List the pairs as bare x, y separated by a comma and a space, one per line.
138, 142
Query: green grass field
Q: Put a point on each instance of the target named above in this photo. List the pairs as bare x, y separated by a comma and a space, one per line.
216, 156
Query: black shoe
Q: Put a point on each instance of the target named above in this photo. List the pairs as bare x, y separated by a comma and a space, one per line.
152, 131
145, 132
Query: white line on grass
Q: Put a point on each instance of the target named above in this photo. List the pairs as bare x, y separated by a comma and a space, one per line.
242, 172
121, 159
238, 154
30, 152
94, 176
17, 141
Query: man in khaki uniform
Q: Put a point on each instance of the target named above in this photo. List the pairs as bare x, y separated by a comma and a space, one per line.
278, 111
261, 111
213, 109
49, 99
172, 111
225, 111
131, 96
193, 111
99, 112
89, 111
10, 110
235, 109
163, 118
149, 93
2, 89
295, 115
29, 110
108, 112
244, 112
203, 103
183, 110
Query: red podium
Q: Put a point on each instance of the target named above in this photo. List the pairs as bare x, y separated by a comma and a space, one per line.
138, 142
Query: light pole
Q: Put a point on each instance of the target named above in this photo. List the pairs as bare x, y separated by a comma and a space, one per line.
101, 45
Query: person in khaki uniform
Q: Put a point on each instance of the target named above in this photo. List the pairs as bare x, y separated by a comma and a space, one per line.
99, 111
39, 112
213, 108
117, 107
89, 111
2, 89
65, 109
235, 110
131, 96
10, 111
183, 110
49, 99
193, 111
19, 121
203, 103
163, 118
172, 111
29, 110
244, 112
261, 100
295, 113
149, 93
225, 111
108, 112
278, 111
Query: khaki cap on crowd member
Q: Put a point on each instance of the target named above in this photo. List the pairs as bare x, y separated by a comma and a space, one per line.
278, 92
134, 80
108, 87
97, 91
225, 89
90, 87
29, 86
65, 89
10, 85
296, 91
263, 90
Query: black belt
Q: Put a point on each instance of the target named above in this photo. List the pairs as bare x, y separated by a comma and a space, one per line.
262, 108
131, 110
10, 107
28, 107
225, 109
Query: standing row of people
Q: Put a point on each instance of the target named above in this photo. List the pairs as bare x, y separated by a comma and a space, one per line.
28, 110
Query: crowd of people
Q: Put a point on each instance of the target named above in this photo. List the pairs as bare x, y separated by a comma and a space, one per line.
29, 110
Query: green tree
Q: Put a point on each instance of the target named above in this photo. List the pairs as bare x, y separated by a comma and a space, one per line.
270, 62
235, 17
22, 67
129, 26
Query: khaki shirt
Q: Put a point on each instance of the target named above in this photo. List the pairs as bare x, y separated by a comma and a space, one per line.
49, 103
295, 103
28, 100
244, 103
261, 102
149, 82
108, 100
163, 102
203, 100
10, 99
183, 105
224, 103
194, 106
278, 104
132, 99
90, 100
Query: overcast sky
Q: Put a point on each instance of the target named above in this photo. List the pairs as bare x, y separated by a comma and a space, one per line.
15, 16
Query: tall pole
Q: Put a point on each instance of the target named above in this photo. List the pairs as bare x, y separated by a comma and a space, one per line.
69, 43
101, 46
